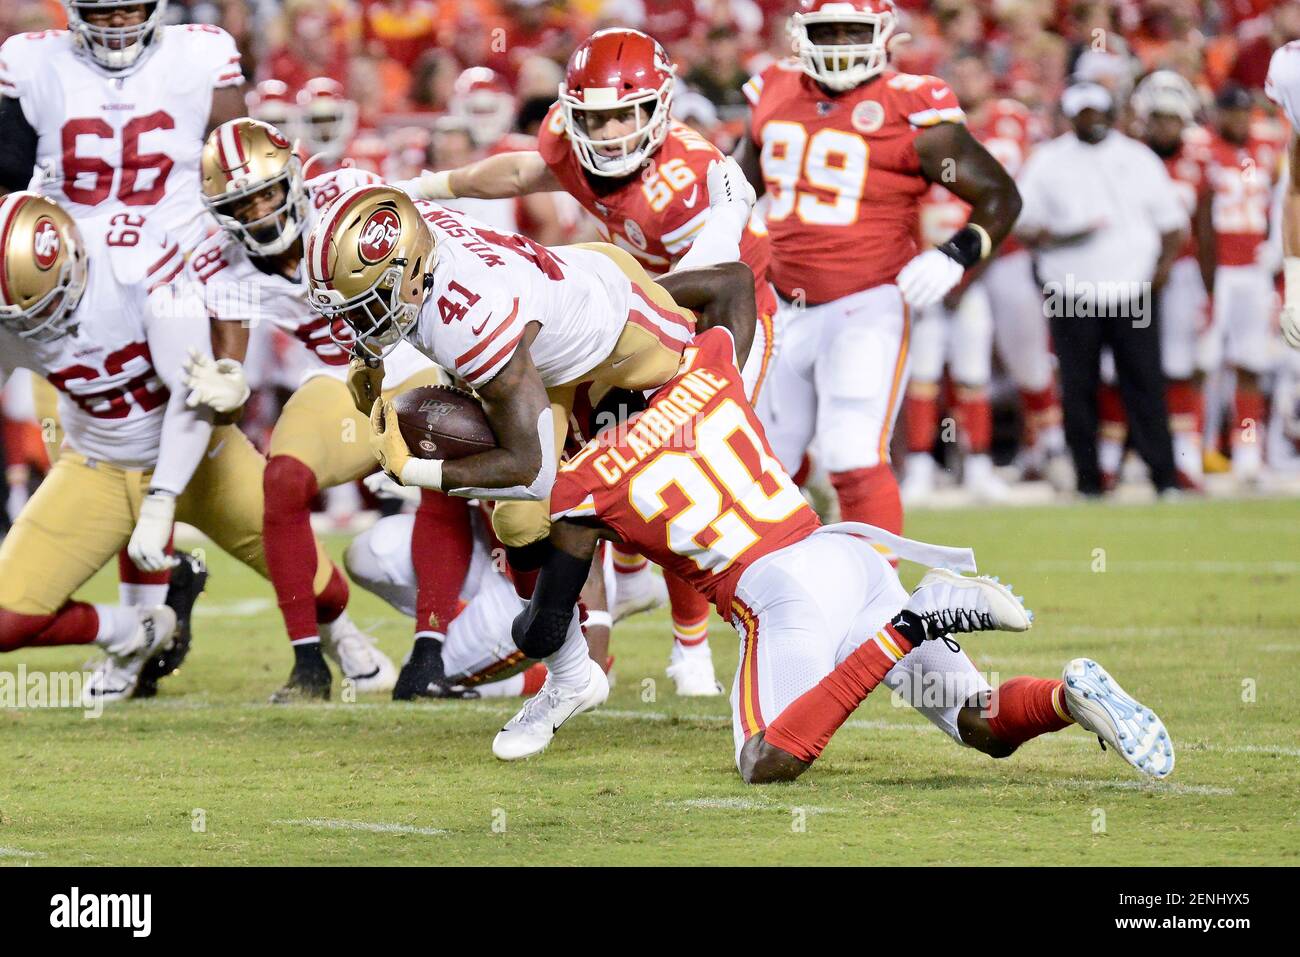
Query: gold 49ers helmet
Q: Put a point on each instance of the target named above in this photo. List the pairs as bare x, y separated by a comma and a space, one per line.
42, 267
370, 263
253, 185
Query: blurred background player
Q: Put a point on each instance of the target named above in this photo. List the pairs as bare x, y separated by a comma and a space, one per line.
271, 101
327, 123
611, 143
844, 149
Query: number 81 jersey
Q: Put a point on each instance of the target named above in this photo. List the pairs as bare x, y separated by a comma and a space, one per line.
843, 176
690, 482
111, 144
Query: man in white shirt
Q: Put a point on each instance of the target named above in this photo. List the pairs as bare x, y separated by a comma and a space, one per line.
1104, 223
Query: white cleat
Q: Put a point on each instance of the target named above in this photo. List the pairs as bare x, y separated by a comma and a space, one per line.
1100, 705
637, 592
918, 479
115, 677
694, 677
531, 729
948, 602
982, 482
357, 655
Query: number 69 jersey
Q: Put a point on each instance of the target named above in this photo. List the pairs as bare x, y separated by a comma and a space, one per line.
108, 144
843, 176
690, 482
111, 396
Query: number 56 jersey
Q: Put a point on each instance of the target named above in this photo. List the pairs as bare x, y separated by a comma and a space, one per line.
690, 482
111, 144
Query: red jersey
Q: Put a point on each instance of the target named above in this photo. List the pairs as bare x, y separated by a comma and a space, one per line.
1241, 179
1188, 168
655, 216
690, 482
842, 174
1007, 129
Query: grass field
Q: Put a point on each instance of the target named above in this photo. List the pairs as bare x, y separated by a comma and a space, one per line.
1197, 612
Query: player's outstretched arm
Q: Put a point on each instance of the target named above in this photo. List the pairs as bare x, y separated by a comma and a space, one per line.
746, 154
719, 295
228, 103
953, 158
497, 177
540, 629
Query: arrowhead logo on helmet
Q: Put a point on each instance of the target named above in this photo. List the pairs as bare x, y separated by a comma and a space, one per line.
45, 242
379, 236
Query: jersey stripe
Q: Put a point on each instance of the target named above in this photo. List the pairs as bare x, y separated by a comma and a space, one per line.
753, 89
751, 712
895, 387
162, 260
671, 329
461, 360
684, 235
933, 117
490, 368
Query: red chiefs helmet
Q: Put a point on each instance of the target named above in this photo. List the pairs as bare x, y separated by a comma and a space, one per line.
611, 70
842, 66
482, 99
329, 118
271, 102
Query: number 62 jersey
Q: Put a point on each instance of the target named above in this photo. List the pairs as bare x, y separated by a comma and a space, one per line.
690, 482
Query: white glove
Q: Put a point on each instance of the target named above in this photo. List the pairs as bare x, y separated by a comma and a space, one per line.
1291, 301
1291, 326
928, 278
220, 385
148, 545
728, 185
381, 486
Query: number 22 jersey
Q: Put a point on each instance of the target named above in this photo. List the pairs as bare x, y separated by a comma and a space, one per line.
690, 482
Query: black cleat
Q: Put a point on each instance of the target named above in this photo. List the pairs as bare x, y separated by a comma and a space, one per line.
188, 579
310, 679
422, 675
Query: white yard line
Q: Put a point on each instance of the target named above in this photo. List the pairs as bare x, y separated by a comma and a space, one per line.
19, 852
377, 828
747, 804
1158, 787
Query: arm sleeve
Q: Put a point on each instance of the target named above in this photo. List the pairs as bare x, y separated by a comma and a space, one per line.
17, 146
178, 322
1283, 83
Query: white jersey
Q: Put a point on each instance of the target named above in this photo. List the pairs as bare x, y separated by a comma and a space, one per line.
112, 147
487, 285
111, 397
1283, 83
234, 289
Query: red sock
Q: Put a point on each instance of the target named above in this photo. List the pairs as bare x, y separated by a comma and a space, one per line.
805, 727
921, 415
1022, 708
975, 419
1186, 407
870, 495
1041, 407
1252, 413
805, 469
534, 678
332, 601
76, 623
1110, 413
690, 611
441, 544
627, 560
289, 487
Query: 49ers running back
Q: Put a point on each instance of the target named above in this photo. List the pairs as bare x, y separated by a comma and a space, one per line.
845, 147
1283, 88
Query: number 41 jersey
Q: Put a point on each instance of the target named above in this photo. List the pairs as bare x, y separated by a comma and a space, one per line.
122, 144
690, 482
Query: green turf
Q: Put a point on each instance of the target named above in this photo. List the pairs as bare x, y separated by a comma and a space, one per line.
1195, 599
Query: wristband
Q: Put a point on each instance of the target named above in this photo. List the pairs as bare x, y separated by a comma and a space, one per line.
1291, 280
968, 245
436, 185
422, 473
599, 619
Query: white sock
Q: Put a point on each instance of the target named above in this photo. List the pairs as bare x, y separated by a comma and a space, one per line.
570, 666
141, 596
698, 650
1110, 455
117, 624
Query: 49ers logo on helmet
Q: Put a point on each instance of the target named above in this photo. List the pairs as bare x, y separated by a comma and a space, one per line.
276, 138
379, 236
46, 242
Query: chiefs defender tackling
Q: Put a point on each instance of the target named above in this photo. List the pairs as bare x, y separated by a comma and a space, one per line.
610, 142
845, 148
822, 617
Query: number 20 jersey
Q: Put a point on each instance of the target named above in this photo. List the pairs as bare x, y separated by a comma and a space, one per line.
690, 482
842, 174
122, 144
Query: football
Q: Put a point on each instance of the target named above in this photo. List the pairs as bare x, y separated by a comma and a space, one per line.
442, 422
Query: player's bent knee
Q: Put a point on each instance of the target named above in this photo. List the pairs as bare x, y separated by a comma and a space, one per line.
540, 632
287, 484
521, 523
762, 763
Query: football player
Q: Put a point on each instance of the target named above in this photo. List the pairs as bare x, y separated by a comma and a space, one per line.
94, 314
251, 273
327, 122
611, 143
822, 617
1243, 170
1283, 88
844, 147
1165, 107
114, 111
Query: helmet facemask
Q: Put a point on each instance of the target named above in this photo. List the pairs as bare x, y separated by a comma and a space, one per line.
275, 231
115, 48
842, 66
626, 153
373, 323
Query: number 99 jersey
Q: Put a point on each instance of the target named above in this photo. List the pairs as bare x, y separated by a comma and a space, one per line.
690, 482
843, 176
109, 144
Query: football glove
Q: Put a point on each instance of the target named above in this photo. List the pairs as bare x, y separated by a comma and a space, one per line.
1291, 326
928, 278
728, 185
218, 384
365, 383
153, 530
